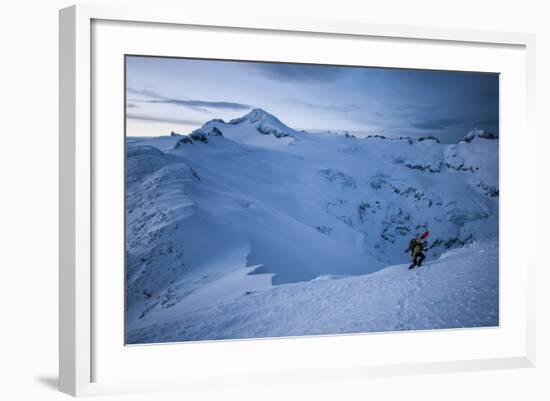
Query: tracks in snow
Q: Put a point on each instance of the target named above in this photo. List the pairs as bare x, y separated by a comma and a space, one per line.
407, 316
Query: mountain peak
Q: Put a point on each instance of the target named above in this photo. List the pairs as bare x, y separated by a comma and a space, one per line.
258, 111
478, 133
256, 115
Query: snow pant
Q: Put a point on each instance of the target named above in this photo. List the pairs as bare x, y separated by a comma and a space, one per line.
418, 259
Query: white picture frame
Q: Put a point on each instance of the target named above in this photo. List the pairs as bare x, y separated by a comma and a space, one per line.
79, 155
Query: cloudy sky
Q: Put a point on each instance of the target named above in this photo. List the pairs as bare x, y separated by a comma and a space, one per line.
171, 94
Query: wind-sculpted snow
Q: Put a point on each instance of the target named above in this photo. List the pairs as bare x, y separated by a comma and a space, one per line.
247, 205
458, 290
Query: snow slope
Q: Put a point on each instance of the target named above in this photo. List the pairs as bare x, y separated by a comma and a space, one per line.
240, 206
460, 289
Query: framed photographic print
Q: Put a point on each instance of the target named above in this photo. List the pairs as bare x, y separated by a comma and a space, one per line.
248, 228
277, 200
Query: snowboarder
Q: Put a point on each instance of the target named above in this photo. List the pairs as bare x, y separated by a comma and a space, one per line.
416, 247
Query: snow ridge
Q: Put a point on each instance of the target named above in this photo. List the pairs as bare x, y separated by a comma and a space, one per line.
458, 290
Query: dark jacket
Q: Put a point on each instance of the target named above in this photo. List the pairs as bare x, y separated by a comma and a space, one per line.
415, 247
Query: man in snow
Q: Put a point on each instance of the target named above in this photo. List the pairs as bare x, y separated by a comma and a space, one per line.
416, 247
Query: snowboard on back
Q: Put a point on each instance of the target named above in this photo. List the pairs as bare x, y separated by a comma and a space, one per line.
421, 238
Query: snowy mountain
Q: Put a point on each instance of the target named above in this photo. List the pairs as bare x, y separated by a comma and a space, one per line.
478, 133
250, 206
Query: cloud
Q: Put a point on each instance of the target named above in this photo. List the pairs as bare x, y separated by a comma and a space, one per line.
142, 117
144, 92
131, 106
300, 72
438, 124
199, 105
203, 104
342, 108
489, 122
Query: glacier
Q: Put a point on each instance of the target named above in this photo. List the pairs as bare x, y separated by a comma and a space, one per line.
250, 229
